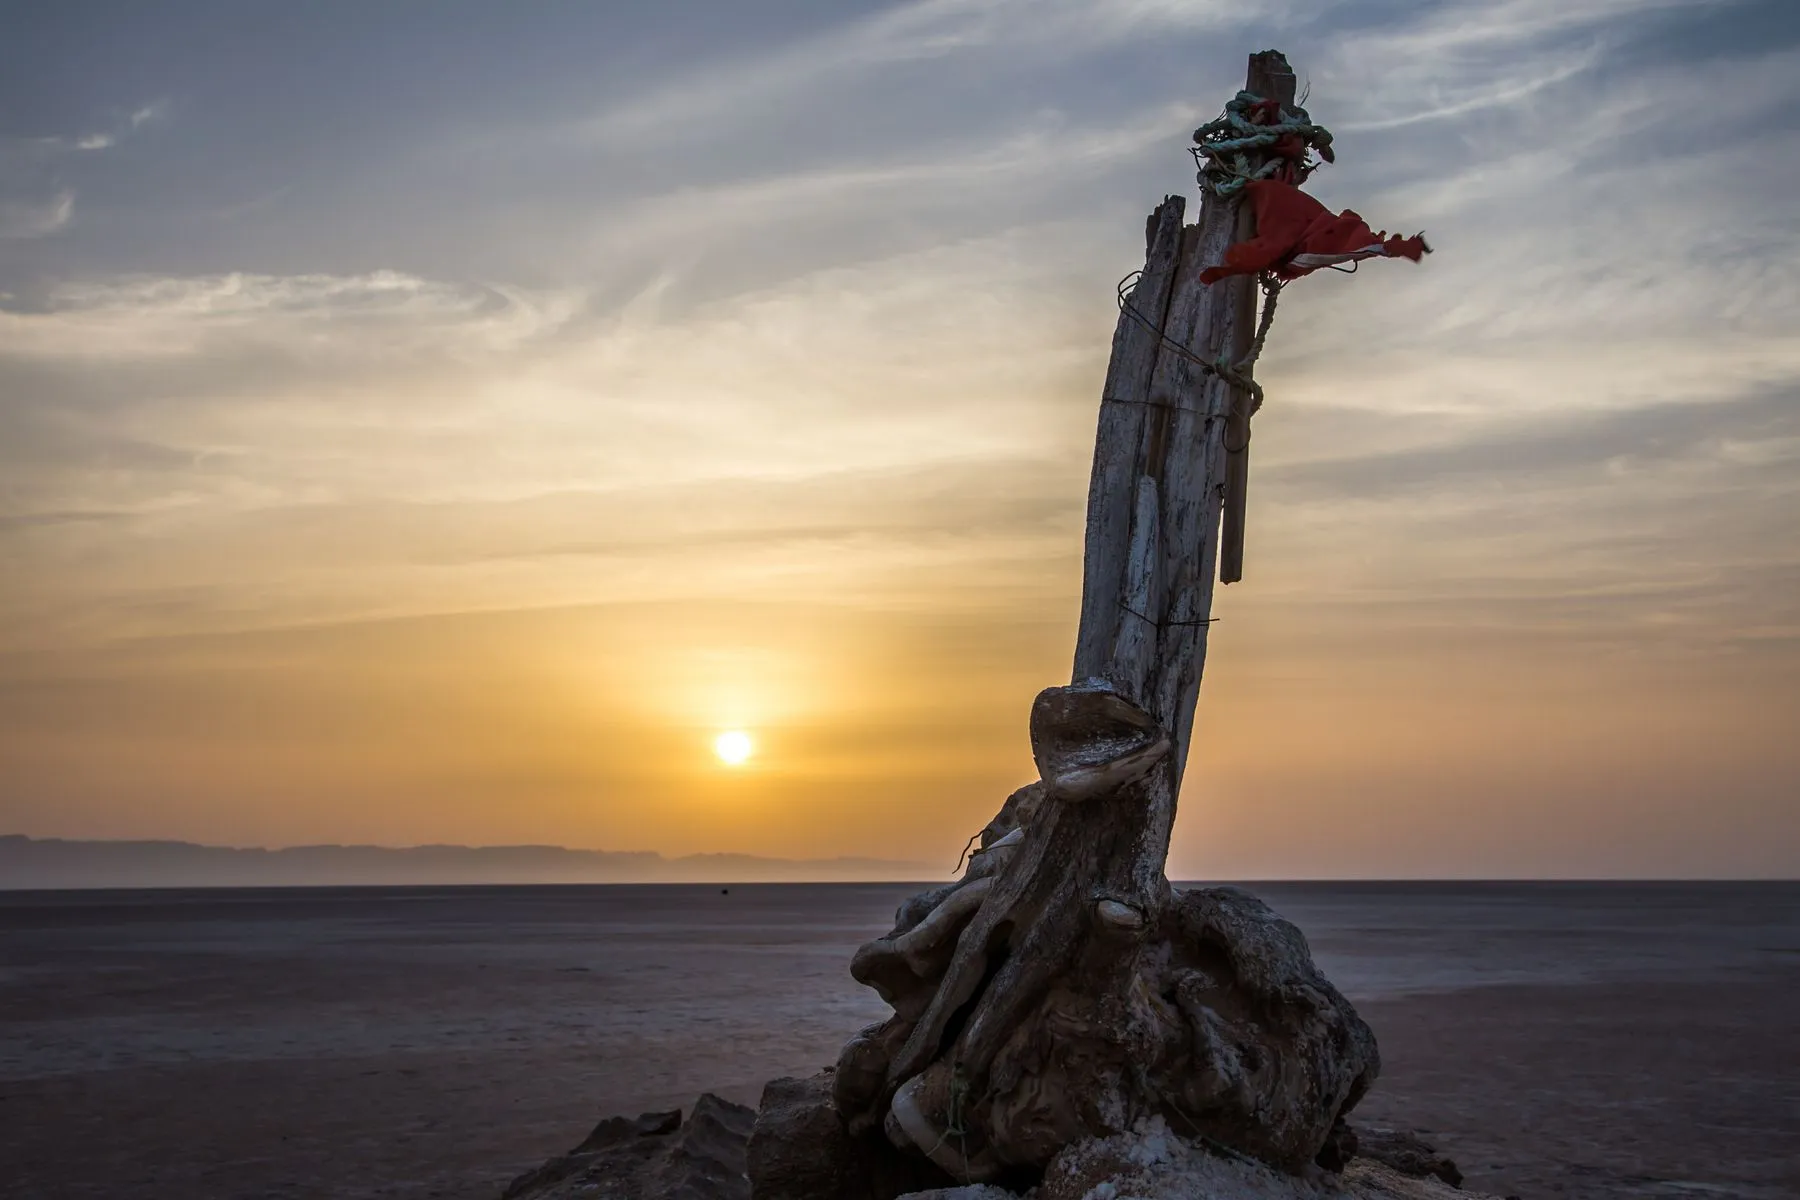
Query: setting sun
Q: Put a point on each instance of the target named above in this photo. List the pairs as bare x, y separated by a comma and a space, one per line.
733, 747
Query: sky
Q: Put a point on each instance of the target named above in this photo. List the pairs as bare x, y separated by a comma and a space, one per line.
437, 422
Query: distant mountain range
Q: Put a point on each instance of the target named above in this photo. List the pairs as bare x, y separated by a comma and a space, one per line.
57, 863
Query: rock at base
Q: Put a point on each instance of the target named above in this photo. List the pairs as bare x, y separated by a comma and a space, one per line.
1213, 1016
616, 1131
801, 1150
652, 1157
797, 1148
1154, 1164
1278, 1057
1407, 1153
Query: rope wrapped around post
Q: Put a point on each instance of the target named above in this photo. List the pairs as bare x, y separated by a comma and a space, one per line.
1235, 373
1250, 125
1253, 125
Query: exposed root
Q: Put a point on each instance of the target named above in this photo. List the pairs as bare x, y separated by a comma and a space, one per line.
1061, 990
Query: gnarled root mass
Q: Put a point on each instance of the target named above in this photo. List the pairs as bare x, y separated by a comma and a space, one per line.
1062, 990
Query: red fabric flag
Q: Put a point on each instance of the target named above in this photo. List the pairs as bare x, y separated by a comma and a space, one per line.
1295, 234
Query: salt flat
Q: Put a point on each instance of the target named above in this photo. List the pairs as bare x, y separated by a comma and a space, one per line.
1558, 1039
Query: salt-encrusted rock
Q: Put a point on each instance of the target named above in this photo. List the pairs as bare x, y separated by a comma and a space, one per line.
1155, 1164
652, 1157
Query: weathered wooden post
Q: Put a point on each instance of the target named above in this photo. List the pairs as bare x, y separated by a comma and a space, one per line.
1170, 454
1061, 989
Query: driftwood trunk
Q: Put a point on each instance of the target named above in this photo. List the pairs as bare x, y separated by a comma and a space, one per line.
1061, 988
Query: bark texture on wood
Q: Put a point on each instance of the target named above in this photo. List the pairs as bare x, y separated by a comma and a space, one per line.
1061, 989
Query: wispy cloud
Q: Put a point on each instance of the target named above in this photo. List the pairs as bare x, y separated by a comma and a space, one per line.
1497, 93
149, 318
36, 218
1470, 55
155, 111
904, 36
35, 201
100, 139
1003, 178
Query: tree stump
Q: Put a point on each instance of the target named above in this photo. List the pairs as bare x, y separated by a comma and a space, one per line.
1061, 989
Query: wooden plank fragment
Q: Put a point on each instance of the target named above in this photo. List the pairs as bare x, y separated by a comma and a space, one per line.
1112, 488
1269, 76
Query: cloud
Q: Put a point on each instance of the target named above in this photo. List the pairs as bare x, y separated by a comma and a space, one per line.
267, 390
738, 93
132, 122
383, 443
34, 202
1744, 439
36, 218
1644, 249
1498, 93
380, 313
25, 148
820, 215
1467, 56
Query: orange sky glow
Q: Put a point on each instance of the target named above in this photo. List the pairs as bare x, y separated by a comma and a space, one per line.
477, 519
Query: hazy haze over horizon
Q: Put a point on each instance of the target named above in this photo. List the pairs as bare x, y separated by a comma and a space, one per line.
436, 422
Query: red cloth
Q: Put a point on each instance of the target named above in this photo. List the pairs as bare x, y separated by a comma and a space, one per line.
1296, 234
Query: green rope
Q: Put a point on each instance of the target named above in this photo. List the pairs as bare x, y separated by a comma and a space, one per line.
1239, 371
1235, 373
1226, 148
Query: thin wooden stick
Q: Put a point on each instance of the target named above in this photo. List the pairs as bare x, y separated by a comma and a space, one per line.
1269, 76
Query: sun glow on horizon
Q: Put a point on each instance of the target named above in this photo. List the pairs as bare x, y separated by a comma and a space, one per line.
733, 747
